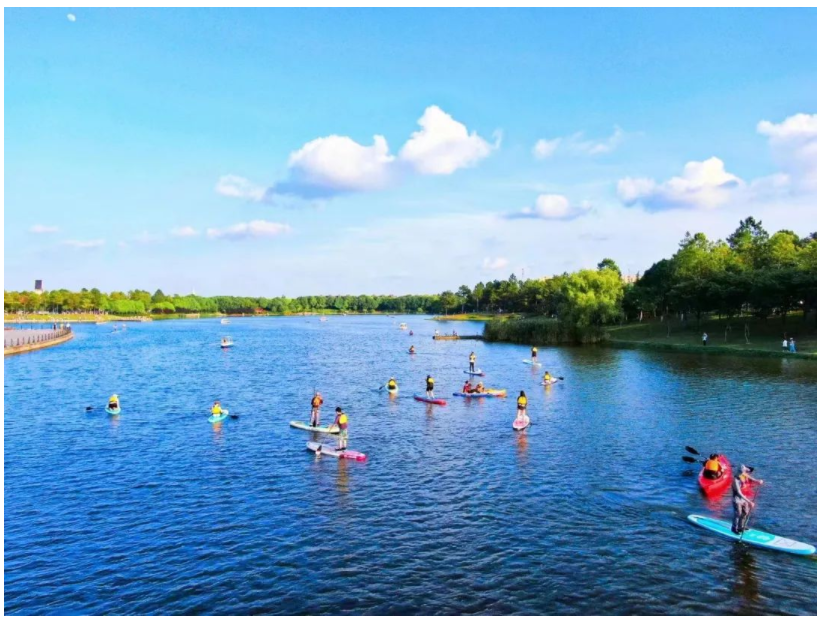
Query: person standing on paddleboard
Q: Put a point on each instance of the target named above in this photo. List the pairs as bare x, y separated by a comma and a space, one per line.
317, 402
522, 402
472, 362
741, 504
342, 421
430, 387
534, 354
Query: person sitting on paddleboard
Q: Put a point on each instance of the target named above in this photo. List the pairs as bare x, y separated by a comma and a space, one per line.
713, 469
467, 387
114, 402
216, 409
547, 377
742, 505
480, 387
522, 402
430, 387
317, 402
391, 385
534, 354
342, 421
472, 362
412, 349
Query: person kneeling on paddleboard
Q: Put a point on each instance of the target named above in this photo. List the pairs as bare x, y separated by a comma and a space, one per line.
430, 387
342, 421
114, 402
522, 402
412, 349
472, 358
741, 504
480, 388
547, 377
467, 387
317, 402
391, 385
713, 469
216, 409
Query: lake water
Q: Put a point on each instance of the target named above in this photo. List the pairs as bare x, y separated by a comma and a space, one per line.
158, 511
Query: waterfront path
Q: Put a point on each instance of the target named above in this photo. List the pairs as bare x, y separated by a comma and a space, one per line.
19, 341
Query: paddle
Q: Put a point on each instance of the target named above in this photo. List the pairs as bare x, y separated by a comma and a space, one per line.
689, 459
693, 450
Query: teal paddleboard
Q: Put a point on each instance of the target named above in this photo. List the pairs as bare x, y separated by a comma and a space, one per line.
756, 538
113, 411
219, 417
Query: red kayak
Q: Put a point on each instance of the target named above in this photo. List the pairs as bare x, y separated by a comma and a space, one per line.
427, 400
718, 486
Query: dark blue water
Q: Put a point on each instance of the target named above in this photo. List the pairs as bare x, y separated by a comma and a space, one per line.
157, 511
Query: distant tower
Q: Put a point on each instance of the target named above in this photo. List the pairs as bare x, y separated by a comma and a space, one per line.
38, 286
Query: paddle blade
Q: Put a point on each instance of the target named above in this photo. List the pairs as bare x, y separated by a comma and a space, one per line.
688, 459
692, 450
234, 416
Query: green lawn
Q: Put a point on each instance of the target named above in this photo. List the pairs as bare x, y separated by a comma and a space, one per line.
765, 335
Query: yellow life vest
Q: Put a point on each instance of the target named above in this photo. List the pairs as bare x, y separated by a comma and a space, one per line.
216, 410
522, 402
712, 465
343, 419
113, 399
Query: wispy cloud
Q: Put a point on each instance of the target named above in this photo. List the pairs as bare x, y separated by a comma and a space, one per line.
239, 187
552, 206
578, 145
184, 232
84, 245
256, 229
41, 229
494, 264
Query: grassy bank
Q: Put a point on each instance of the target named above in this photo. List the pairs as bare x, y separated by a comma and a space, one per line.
540, 331
758, 337
73, 318
472, 317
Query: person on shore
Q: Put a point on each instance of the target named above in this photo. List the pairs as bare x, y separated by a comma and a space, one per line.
472, 358
430, 387
548, 378
342, 421
412, 349
785, 346
467, 387
522, 402
454, 333
391, 385
317, 402
713, 469
704, 339
534, 354
217, 409
792, 346
114, 402
742, 505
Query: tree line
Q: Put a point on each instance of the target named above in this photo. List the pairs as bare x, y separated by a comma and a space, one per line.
751, 272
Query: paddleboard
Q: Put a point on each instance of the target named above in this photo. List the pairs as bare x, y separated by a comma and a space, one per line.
325, 429
490, 393
521, 424
756, 538
551, 382
440, 402
529, 362
384, 389
113, 411
478, 373
328, 450
220, 417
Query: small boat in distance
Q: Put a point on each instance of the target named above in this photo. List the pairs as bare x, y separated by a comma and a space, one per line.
224, 321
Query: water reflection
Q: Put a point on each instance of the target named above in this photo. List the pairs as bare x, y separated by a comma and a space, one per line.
746, 585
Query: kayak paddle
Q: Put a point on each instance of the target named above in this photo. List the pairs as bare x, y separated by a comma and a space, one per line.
692, 450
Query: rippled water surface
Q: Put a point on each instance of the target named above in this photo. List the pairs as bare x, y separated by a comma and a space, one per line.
157, 511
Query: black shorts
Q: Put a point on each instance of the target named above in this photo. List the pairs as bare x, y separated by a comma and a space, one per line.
712, 475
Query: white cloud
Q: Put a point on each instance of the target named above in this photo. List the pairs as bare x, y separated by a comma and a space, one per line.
239, 187
794, 144
494, 264
84, 245
336, 164
41, 229
545, 148
184, 232
443, 145
256, 229
704, 184
71, 17
551, 206
576, 144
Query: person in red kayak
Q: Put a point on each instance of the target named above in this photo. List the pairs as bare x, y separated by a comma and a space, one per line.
342, 421
742, 505
317, 402
713, 469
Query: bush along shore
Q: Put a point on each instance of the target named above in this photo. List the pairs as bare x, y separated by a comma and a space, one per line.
541, 331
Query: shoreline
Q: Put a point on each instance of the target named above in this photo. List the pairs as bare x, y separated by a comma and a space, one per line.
709, 349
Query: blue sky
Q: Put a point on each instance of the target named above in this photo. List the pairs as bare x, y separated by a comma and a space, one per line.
271, 152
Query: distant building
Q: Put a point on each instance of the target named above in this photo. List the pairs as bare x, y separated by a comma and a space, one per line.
38, 286
629, 278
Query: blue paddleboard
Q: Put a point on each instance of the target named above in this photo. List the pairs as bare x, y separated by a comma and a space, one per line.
756, 538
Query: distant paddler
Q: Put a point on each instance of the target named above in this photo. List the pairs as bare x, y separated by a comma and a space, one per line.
114, 403
342, 421
411, 349
392, 386
522, 402
430, 387
534, 355
472, 359
548, 378
317, 402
